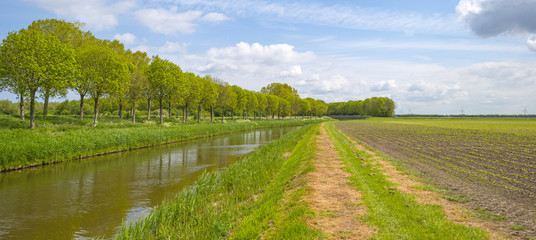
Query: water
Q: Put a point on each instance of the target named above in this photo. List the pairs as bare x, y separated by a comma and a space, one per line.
92, 197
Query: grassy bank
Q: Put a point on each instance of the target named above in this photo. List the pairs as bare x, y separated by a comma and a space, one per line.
241, 202
396, 215
63, 141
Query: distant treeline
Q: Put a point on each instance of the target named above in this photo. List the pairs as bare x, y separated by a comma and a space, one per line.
467, 116
375, 106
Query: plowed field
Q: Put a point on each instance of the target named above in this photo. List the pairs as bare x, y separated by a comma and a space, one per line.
493, 162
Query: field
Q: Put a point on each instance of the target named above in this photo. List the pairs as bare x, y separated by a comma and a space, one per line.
490, 161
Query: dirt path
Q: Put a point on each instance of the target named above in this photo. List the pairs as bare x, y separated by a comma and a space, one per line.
338, 204
454, 211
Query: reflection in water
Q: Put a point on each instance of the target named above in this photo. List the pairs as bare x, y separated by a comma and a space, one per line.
92, 197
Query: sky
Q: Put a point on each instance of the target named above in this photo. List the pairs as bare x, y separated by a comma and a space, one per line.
429, 56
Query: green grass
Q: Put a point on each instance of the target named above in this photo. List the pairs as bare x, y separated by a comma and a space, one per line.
510, 125
66, 139
485, 214
396, 215
281, 211
218, 201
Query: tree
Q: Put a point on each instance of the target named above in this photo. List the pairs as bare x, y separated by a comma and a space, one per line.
305, 107
272, 105
31, 60
69, 34
241, 100
81, 83
107, 72
161, 75
209, 97
262, 103
252, 103
138, 78
226, 97
189, 94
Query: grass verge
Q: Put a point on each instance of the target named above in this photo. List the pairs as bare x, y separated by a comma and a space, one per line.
396, 215
21, 148
238, 201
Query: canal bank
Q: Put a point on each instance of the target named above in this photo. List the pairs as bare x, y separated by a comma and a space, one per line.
23, 148
90, 198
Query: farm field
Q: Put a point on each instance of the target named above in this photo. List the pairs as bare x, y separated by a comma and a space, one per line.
490, 161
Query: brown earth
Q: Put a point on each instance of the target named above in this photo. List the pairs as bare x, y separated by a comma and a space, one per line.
455, 212
516, 208
338, 204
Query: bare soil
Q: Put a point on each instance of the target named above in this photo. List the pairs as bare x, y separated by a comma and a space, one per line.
455, 212
432, 154
338, 204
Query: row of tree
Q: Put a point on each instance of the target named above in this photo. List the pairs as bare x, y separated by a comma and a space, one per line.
375, 106
51, 57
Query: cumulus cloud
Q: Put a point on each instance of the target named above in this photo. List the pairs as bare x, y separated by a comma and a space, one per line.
98, 14
252, 57
126, 38
383, 86
531, 42
488, 18
292, 72
170, 21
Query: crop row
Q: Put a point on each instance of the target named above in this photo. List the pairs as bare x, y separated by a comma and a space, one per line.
500, 160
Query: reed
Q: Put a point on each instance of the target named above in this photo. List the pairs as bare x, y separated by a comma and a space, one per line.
248, 190
62, 140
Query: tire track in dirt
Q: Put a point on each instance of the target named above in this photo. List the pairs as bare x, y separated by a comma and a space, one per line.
454, 211
338, 204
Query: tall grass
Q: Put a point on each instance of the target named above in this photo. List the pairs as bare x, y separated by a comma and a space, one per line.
212, 208
396, 215
62, 142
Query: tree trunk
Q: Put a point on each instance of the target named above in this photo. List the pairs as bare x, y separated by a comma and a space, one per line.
232, 115
134, 112
183, 114
211, 114
81, 107
243, 114
161, 111
198, 113
169, 107
186, 113
148, 109
45, 106
222, 113
120, 109
21, 105
96, 110
254, 116
32, 109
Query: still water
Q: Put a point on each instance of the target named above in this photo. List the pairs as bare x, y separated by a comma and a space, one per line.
92, 197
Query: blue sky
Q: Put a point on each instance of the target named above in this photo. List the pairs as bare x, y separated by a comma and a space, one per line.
430, 56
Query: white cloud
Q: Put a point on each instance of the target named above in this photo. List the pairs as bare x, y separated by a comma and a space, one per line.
340, 15
252, 57
99, 14
167, 48
383, 86
531, 42
292, 72
126, 38
488, 18
170, 21
214, 17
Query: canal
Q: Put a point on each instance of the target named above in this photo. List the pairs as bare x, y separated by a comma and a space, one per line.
92, 197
